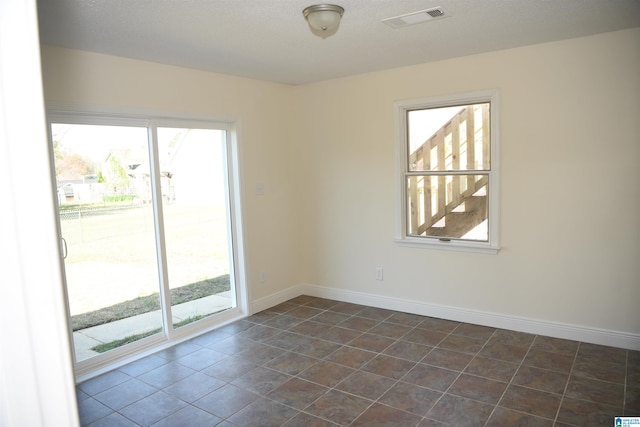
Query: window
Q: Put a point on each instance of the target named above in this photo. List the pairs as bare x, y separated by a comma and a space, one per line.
448, 180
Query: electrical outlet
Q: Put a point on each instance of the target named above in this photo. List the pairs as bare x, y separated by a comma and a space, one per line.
379, 273
263, 276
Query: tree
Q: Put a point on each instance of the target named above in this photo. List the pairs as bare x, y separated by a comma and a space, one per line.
70, 166
117, 177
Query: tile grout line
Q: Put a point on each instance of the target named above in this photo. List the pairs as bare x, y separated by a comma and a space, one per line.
520, 364
397, 381
320, 360
303, 409
461, 371
292, 376
566, 386
458, 376
373, 401
433, 347
379, 353
262, 323
624, 391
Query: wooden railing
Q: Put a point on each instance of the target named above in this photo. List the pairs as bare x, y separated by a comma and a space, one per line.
462, 144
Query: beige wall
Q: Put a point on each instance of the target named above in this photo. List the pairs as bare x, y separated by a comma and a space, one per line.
570, 185
570, 182
263, 109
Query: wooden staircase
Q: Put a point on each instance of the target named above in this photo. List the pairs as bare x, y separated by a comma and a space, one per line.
447, 185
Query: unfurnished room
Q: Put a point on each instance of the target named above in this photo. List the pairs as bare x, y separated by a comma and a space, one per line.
287, 213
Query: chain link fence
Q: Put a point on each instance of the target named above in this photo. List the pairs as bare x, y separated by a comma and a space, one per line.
78, 214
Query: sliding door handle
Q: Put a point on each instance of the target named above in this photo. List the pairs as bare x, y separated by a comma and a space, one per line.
64, 248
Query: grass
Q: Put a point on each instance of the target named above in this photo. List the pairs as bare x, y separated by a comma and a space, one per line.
150, 303
120, 239
103, 348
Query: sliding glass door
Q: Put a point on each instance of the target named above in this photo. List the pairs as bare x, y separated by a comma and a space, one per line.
195, 208
107, 227
145, 224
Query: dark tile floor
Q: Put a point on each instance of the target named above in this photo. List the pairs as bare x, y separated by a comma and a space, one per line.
317, 362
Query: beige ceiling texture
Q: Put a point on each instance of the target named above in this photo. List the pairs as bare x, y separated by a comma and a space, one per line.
270, 40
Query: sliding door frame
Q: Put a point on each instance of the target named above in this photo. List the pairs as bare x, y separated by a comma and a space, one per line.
240, 299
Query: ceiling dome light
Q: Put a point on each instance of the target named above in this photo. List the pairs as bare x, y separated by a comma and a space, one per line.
323, 19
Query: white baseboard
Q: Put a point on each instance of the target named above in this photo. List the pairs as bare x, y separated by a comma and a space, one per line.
275, 299
521, 324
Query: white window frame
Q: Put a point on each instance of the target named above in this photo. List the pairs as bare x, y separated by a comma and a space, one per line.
402, 108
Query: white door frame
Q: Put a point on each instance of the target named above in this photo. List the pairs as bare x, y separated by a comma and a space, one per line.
152, 120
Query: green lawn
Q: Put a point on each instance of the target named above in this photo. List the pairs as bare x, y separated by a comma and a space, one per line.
112, 255
149, 303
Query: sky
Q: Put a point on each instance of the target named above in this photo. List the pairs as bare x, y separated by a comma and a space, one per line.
424, 123
95, 141
195, 160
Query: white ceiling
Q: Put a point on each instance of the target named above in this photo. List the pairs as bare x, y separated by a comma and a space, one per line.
270, 40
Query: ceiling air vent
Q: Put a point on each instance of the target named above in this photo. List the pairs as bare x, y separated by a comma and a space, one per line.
435, 13
416, 17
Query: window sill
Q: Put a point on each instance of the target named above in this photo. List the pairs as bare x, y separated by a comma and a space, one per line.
453, 245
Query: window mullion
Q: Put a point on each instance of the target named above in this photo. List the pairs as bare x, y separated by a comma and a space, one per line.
156, 188
447, 173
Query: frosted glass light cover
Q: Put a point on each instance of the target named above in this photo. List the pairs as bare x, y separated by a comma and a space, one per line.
324, 20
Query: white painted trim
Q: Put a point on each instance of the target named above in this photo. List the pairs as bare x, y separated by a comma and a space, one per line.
401, 108
514, 323
242, 295
141, 116
453, 245
522, 324
37, 387
277, 298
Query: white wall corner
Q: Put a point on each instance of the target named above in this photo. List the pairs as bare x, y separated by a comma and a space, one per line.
521, 324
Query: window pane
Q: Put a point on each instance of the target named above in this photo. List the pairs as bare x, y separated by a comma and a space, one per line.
449, 138
448, 206
194, 196
107, 225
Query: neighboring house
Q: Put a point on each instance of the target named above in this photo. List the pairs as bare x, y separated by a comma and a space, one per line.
80, 190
